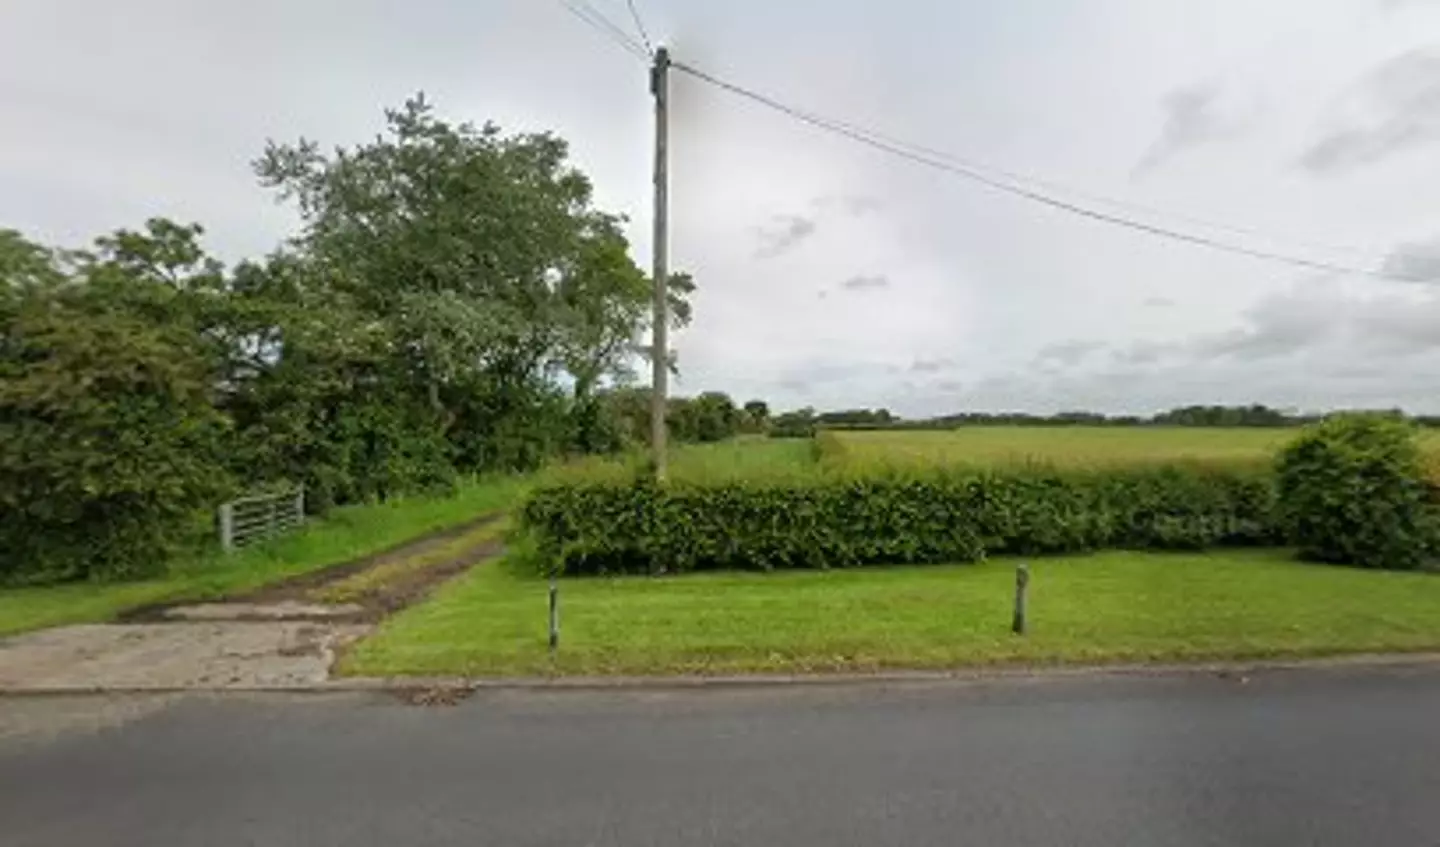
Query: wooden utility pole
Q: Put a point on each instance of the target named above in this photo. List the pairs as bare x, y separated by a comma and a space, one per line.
660, 334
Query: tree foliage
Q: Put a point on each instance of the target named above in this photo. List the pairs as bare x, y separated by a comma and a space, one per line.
453, 303
109, 442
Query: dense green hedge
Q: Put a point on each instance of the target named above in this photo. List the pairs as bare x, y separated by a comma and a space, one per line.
1353, 489
942, 516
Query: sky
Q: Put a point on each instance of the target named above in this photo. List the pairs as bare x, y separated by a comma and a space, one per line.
832, 274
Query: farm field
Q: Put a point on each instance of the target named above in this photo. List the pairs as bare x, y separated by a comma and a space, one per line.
1071, 446
1107, 607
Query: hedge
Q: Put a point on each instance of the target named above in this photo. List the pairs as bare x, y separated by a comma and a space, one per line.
1354, 489
944, 515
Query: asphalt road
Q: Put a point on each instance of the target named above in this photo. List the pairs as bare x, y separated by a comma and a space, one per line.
1285, 758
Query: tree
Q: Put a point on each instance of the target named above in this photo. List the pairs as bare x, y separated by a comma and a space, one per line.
716, 417
109, 443
758, 412
484, 260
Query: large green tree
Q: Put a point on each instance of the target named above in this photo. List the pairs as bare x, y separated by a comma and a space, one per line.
110, 444
484, 258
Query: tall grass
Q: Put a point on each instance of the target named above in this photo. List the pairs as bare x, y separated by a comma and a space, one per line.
1066, 447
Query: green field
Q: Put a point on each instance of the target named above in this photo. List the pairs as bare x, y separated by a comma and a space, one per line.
1109, 607
1066, 446
1069, 446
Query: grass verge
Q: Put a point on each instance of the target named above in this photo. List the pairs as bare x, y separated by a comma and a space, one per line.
1108, 607
345, 534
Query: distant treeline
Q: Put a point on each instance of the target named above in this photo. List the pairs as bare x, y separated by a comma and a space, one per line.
803, 422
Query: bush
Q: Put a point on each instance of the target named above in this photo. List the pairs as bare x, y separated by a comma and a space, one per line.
109, 448
822, 521
1352, 490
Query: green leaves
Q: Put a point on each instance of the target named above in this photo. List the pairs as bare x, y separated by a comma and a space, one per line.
1352, 489
109, 446
453, 304
823, 521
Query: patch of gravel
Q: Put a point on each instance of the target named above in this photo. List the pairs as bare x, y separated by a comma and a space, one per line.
211, 655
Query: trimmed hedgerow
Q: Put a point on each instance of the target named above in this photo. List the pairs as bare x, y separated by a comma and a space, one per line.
954, 515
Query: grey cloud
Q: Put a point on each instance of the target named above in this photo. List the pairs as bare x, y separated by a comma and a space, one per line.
950, 385
866, 282
1402, 100
1279, 326
1415, 261
1306, 322
1068, 352
1397, 326
853, 204
1192, 118
1158, 302
1394, 5
806, 378
784, 234
930, 366
1146, 352
849, 204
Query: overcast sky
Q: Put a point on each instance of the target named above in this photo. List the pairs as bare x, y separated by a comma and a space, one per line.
832, 274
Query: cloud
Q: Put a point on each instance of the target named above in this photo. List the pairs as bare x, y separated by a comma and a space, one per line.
1415, 261
1395, 5
850, 204
784, 234
1157, 303
1394, 109
1068, 352
930, 366
866, 282
1146, 352
1192, 117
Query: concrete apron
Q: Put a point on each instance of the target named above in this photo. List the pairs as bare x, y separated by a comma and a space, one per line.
211, 646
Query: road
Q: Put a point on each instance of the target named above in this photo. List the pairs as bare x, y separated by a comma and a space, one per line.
1339, 757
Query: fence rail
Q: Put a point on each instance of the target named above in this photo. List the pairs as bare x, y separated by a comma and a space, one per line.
260, 516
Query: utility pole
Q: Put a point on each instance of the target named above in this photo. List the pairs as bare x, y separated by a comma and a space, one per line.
660, 334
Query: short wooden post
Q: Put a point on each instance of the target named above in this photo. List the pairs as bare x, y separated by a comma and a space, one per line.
554, 614
1022, 582
300, 505
227, 527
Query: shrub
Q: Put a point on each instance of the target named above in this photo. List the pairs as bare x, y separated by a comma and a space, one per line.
832, 520
1352, 490
109, 447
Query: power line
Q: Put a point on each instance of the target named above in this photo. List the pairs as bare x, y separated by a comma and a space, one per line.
592, 16
640, 25
944, 162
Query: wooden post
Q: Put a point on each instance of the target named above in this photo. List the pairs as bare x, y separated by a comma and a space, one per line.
554, 614
227, 527
300, 505
1022, 582
660, 331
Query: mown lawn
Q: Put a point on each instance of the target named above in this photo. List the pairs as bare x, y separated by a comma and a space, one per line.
344, 534
1108, 607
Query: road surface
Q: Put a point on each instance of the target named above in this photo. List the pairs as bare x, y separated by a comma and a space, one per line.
1299, 757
